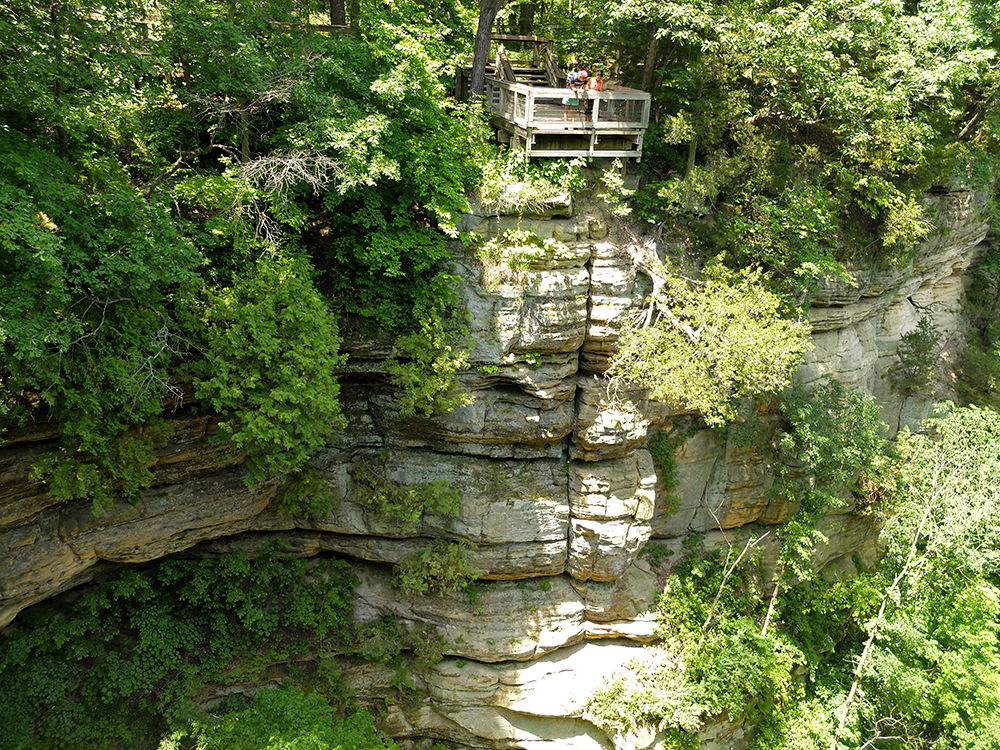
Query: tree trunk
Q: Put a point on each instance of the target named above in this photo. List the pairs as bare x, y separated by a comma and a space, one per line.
526, 20
488, 10
338, 13
650, 67
355, 13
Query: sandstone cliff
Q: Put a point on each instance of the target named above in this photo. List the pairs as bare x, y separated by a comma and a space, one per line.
559, 490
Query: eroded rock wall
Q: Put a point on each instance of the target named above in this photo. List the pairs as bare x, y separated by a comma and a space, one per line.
559, 491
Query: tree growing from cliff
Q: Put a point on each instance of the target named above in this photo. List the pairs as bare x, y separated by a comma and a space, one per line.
705, 344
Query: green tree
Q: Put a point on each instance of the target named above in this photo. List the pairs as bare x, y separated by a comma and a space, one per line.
707, 344
943, 529
273, 347
151, 151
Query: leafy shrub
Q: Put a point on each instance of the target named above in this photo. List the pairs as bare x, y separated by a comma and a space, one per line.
510, 183
917, 358
88, 314
426, 363
702, 666
125, 659
306, 493
383, 641
284, 719
121, 465
273, 350
443, 567
838, 432
507, 258
404, 504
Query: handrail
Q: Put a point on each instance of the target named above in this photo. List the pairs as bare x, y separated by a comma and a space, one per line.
503, 66
551, 69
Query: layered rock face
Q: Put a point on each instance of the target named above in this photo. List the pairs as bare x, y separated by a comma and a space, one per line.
559, 489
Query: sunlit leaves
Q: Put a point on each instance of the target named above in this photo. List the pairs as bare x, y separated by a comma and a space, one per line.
712, 344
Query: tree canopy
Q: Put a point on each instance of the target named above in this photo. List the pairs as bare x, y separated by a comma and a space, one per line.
170, 169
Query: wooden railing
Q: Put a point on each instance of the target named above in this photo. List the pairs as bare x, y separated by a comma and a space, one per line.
544, 109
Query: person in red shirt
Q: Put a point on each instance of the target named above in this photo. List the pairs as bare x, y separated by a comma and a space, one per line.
596, 83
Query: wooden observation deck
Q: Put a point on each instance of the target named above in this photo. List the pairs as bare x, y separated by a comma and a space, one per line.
527, 99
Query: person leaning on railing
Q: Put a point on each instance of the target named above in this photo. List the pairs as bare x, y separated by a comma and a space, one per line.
576, 81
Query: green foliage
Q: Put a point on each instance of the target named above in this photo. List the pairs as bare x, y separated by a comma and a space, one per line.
404, 504
507, 258
918, 359
284, 719
932, 676
808, 724
511, 184
662, 449
87, 315
383, 641
221, 147
121, 664
978, 373
950, 487
306, 493
713, 343
274, 348
427, 361
443, 567
702, 668
744, 673
840, 434
121, 466
656, 553
808, 132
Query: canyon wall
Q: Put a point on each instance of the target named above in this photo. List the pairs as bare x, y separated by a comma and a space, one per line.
559, 490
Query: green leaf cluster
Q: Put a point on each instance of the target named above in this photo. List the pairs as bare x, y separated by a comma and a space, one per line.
383, 641
306, 493
284, 719
978, 373
711, 343
808, 132
840, 434
404, 504
121, 665
918, 358
274, 350
511, 184
186, 185
426, 363
445, 566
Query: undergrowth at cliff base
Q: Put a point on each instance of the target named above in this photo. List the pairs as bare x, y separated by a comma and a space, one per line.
714, 654
121, 665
